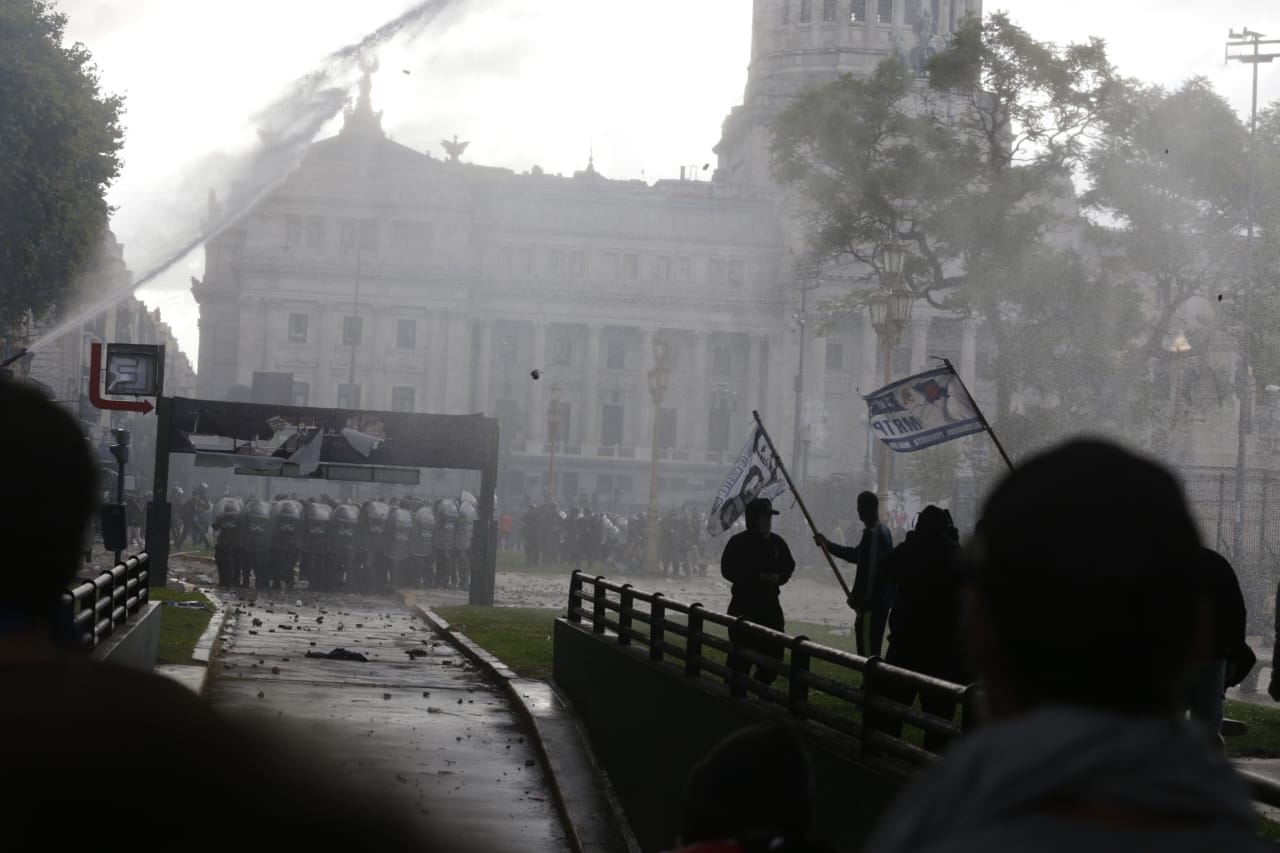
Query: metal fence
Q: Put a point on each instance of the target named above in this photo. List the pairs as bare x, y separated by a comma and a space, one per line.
852, 695
860, 704
101, 605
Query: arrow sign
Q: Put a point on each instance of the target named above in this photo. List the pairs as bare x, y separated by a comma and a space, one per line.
95, 393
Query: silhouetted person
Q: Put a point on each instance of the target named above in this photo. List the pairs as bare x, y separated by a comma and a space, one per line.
753, 792
1084, 653
872, 595
1229, 656
757, 562
73, 729
924, 626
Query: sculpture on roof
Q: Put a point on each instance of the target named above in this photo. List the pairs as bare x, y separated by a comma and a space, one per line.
454, 148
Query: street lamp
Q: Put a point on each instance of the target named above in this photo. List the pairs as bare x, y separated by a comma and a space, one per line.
808, 280
553, 437
890, 310
659, 376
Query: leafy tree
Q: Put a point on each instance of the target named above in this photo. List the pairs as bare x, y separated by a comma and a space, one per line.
973, 171
59, 150
1167, 179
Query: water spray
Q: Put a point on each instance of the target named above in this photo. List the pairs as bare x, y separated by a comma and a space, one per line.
11, 359
286, 128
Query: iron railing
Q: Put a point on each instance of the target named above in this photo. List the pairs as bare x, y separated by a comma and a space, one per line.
841, 699
852, 695
101, 605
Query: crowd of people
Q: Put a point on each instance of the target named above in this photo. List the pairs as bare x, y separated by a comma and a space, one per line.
578, 537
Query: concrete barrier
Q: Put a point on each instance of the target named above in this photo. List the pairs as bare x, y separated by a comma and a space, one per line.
649, 725
135, 644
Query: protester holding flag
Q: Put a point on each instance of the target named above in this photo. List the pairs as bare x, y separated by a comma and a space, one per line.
757, 562
872, 595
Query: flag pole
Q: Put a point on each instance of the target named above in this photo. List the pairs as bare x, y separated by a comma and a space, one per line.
982, 419
799, 500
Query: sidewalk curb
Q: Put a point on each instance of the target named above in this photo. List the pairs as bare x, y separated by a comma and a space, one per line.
568, 806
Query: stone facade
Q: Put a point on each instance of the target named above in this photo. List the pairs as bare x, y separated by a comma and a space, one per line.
382, 277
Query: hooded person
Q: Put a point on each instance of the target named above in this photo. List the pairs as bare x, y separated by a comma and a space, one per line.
1085, 655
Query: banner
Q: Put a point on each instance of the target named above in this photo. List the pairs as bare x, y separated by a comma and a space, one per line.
755, 474
922, 411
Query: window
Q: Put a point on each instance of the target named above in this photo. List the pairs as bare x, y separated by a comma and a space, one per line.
604, 484
301, 394
835, 355
884, 11
611, 265
719, 428
722, 361
858, 12
630, 266
412, 238
504, 258
737, 271
683, 270
828, 10
406, 334
351, 329
611, 425
666, 428
616, 355
562, 352
912, 13
315, 231
556, 262
786, 11
569, 485
664, 268
293, 231
577, 264
348, 396
297, 328
369, 235
806, 11
347, 236
402, 398
524, 260
715, 271
623, 484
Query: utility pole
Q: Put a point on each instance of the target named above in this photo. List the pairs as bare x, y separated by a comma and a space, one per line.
1246, 38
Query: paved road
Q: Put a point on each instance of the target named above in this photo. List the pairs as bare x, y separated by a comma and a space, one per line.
430, 729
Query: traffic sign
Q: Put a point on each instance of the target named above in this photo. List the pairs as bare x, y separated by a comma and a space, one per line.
95, 386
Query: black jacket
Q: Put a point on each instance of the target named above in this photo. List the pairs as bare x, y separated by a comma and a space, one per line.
746, 557
924, 625
871, 589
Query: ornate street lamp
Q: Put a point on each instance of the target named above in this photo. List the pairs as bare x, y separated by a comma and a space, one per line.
553, 437
890, 310
659, 376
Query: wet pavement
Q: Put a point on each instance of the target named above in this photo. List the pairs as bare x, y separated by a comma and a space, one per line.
422, 721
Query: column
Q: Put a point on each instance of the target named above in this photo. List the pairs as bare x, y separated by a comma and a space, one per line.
535, 414
698, 411
815, 383
322, 393
868, 376
642, 418
438, 359
378, 394
944, 16
900, 12
481, 402
870, 29
590, 431
751, 399
458, 372
919, 342
969, 351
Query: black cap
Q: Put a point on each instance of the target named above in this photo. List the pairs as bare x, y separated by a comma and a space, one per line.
761, 506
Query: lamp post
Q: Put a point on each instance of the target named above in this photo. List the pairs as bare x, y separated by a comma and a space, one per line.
890, 309
809, 280
553, 438
659, 376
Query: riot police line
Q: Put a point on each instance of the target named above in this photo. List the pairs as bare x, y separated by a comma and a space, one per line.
579, 537
370, 548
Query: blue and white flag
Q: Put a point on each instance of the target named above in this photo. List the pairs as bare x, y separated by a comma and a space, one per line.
756, 473
922, 411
